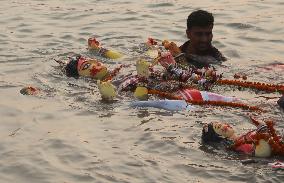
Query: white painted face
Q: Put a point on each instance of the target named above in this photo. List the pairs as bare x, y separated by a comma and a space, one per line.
91, 68
223, 129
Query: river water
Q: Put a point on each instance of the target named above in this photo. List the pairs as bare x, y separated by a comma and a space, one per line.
69, 135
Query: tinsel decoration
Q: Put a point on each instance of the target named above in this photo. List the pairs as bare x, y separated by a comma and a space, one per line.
114, 73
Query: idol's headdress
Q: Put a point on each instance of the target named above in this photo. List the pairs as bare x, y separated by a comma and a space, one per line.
71, 68
209, 134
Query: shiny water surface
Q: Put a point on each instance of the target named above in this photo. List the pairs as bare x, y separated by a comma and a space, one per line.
69, 135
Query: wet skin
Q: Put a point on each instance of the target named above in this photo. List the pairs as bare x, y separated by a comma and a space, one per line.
200, 39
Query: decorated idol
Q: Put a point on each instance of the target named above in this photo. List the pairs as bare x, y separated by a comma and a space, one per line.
260, 142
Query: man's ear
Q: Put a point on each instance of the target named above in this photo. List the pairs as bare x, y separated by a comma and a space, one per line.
188, 34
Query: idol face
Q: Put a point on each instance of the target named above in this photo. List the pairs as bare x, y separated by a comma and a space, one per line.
200, 37
91, 68
223, 129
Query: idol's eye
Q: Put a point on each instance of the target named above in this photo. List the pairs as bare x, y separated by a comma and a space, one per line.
86, 66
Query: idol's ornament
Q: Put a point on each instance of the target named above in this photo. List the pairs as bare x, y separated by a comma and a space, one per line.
95, 45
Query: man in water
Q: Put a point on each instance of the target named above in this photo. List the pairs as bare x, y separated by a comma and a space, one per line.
198, 50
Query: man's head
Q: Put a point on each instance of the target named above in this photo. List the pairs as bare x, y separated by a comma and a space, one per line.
199, 30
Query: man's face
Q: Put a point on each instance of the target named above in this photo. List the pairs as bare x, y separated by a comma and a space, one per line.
91, 68
200, 37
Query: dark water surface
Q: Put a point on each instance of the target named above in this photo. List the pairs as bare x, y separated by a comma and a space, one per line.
69, 135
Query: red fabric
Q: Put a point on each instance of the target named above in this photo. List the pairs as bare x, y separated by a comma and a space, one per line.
191, 94
246, 142
246, 148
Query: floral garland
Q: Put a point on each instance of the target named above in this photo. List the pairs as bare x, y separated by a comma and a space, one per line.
275, 142
162, 82
199, 102
270, 136
206, 76
203, 78
167, 54
114, 73
255, 85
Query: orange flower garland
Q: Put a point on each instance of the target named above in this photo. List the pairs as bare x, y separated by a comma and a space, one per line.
254, 121
255, 85
275, 142
199, 102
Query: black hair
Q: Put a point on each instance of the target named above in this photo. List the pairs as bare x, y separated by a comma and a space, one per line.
209, 134
280, 102
200, 18
71, 68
